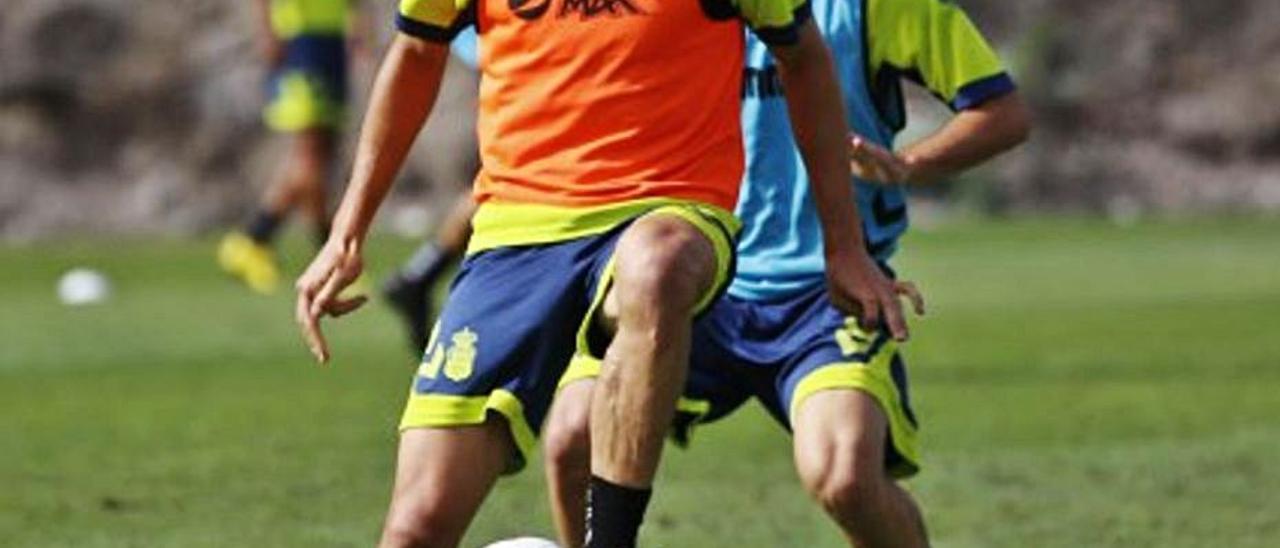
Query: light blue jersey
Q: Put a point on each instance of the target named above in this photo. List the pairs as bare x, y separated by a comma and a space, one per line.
780, 248
466, 47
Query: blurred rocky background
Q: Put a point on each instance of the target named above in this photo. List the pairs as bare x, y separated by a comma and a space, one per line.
125, 116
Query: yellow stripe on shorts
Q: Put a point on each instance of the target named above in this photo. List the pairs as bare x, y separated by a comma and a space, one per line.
875, 379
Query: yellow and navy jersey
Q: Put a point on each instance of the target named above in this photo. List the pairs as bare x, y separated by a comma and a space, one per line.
876, 45
935, 44
293, 18
590, 108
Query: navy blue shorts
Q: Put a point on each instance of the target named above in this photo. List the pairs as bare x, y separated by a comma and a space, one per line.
309, 88
783, 352
514, 318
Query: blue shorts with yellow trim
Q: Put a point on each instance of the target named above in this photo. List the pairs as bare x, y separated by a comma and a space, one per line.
309, 88
514, 318
783, 352
780, 353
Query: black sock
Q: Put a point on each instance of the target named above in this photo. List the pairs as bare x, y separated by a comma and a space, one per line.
426, 265
263, 226
614, 514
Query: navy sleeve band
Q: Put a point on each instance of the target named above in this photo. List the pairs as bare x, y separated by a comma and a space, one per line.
790, 34
982, 90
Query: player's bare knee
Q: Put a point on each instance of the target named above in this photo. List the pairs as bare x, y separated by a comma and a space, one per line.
567, 438
401, 535
813, 466
570, 451
849, 492
663, 261
422, 527
847, 476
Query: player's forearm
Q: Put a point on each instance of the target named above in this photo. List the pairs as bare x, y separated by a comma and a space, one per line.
818, 120
402, 97
970, 138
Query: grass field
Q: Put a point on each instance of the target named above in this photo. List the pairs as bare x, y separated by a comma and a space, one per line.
1080, 385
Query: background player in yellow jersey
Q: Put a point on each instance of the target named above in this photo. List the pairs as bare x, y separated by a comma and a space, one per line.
409, 289
611, 153
304, 44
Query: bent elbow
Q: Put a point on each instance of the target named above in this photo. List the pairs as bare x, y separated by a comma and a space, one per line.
1019, 121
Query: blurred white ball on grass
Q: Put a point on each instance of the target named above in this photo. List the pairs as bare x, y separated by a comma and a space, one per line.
83, 286
523, 542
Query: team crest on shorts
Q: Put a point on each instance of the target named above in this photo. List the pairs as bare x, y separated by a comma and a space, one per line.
457, 363
461, 358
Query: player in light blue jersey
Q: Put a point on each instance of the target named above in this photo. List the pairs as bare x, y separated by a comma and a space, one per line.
777, 337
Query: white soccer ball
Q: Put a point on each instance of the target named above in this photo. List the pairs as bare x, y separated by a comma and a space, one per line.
523, 542
83, 286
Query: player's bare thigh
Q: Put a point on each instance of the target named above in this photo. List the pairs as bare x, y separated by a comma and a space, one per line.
442, 476
839, 439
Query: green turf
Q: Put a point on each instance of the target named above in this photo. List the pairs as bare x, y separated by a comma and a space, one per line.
1080, 385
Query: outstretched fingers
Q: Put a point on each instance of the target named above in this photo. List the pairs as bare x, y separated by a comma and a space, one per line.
894, 318
309, 322
912, 293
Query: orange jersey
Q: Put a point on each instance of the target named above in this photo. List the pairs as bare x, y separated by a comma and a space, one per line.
590, 102
582, 110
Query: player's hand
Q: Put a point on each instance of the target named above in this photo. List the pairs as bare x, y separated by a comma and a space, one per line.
873, 163
336, 266
859, 288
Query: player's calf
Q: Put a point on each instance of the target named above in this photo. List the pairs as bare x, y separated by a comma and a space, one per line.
567, 446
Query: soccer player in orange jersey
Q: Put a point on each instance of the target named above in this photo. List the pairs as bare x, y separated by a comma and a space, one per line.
611, 157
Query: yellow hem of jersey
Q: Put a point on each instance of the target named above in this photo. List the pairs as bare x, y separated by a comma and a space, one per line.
447, 410
503, 224
874, 379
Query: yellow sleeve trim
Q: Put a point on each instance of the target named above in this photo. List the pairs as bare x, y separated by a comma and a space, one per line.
435, 13
932, 39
